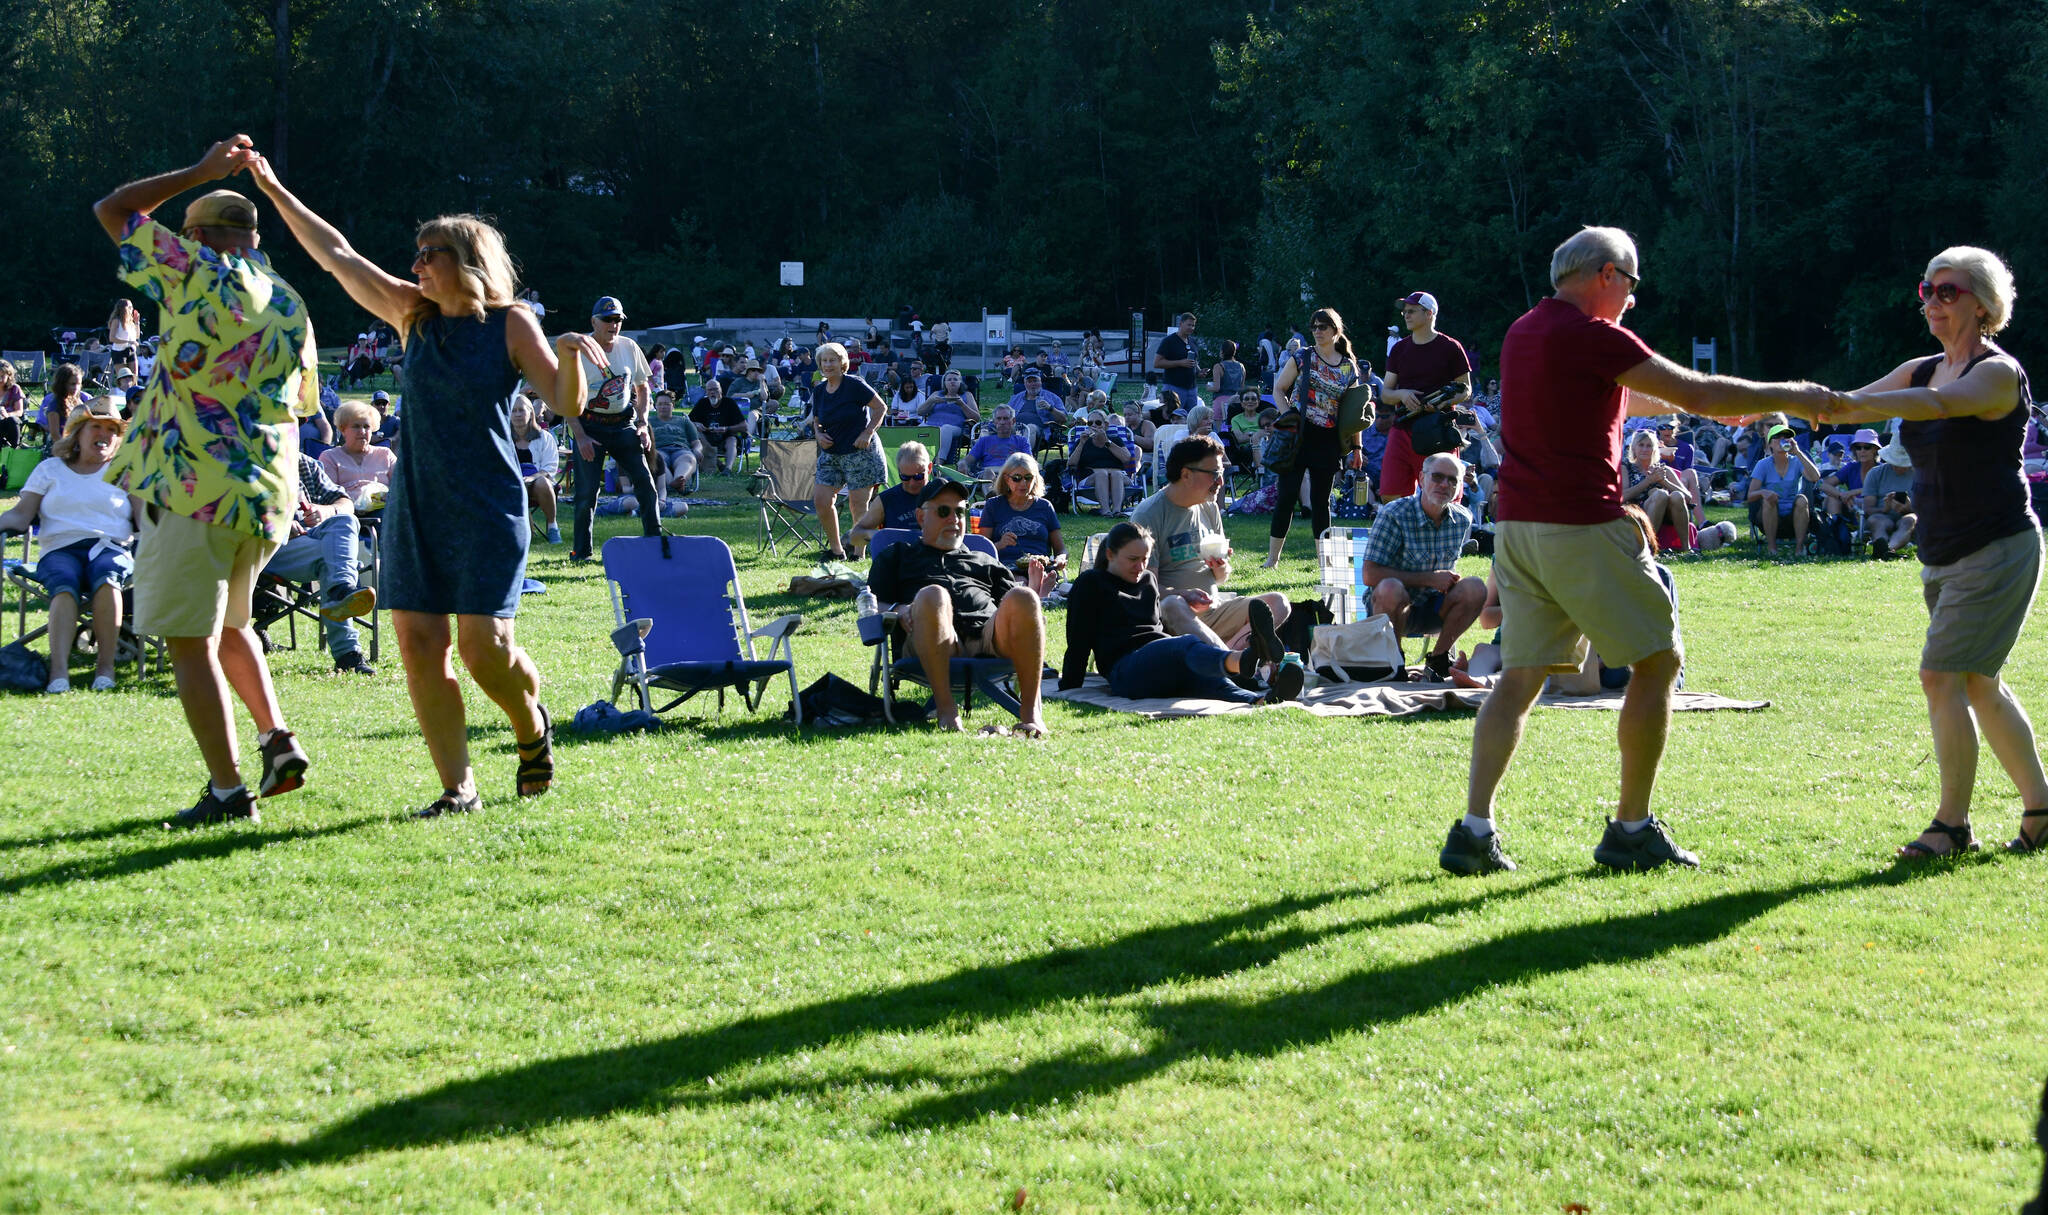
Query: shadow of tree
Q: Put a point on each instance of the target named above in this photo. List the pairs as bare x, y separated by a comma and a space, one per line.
215, 843
687, 1069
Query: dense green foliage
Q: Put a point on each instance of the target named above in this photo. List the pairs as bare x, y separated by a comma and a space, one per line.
1789, 164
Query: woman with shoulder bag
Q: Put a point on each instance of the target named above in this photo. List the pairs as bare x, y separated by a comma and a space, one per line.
1311, 386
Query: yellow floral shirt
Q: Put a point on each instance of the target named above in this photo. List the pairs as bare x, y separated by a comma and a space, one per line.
215, 436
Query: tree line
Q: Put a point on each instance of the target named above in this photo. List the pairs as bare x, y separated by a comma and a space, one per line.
1788, 165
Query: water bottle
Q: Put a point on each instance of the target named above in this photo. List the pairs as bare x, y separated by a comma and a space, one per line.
868, 615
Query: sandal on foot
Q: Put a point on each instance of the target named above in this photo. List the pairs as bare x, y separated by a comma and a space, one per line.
451, 801
537, 759
2029, 843
1959, 840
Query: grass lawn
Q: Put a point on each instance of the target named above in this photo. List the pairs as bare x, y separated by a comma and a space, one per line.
1197, 965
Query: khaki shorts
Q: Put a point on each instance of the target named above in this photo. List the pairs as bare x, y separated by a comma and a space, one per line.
1563, 584
193, 579
1976, 605
1229, 617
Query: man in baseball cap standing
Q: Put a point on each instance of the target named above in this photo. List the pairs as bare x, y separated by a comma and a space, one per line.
613, 423
217, 457
1418, 365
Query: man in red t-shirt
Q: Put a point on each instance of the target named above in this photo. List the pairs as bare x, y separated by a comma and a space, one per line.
1571, 567
1417, 365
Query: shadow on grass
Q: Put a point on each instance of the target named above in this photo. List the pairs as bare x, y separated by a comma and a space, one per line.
686, 1069
131, 826
212, 844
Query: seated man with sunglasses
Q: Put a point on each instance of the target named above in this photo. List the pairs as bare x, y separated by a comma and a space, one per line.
895, 506
956, 600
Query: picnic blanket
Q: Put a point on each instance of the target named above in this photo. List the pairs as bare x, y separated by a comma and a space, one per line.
1374, 700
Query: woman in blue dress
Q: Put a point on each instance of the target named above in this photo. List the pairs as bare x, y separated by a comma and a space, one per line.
454, 535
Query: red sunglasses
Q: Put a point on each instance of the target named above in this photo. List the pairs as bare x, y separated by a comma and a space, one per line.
1944, 292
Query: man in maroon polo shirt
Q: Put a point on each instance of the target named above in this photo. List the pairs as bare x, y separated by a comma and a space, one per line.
1570, 565
1417, 365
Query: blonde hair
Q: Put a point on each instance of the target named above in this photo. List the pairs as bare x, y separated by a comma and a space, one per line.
1097, 398
352, 412
1028, 464
481, 257
825, 348
1990, 281
66, 445
913, 452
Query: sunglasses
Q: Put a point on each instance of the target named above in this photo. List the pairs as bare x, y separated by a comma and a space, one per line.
1634, 280
913, 476
1322, 325
427, 252
1209, 472
1019, 478
946, 510
1946, 293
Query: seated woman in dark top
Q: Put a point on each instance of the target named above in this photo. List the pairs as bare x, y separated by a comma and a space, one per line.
1113, 618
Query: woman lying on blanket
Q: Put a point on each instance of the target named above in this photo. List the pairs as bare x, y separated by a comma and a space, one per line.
1113, 617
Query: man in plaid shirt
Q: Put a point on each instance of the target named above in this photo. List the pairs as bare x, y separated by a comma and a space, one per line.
322, 549
1409, 559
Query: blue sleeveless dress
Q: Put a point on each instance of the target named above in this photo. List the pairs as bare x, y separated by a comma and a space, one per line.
455, 520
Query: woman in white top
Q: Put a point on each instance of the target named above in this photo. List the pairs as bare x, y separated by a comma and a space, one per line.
124, 331
539, 458
360, 467
86, 528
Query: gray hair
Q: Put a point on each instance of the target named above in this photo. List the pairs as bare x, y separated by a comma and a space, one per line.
1590, 248
1444, 457
913, 454
1990, 281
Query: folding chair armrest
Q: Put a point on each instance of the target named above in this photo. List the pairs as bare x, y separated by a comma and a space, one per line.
781, 626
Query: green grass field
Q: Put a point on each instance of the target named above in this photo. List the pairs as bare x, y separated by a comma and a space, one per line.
1197, 965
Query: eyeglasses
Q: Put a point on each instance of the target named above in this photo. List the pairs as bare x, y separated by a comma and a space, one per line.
946, 510
916, 476
1944, 292
1018, 478
1209, 472
426, 252
1634, 280
1444, 478
1321, 325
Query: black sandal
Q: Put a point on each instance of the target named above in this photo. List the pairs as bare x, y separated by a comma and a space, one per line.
2029, 843
1959, 840
537, 759
451, 802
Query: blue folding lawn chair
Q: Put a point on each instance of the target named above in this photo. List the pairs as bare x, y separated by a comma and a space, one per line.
682, 623
991, 675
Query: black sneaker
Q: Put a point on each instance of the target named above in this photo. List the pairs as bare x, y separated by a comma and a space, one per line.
1266, 645
284, 764
1287, 682
1436, 668
352, 663
1636, 851
211, 810
1466, 853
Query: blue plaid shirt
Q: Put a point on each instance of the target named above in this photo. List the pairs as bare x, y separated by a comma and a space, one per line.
1403, 538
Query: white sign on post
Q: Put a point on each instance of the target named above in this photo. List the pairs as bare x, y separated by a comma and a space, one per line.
996, 329
792, 274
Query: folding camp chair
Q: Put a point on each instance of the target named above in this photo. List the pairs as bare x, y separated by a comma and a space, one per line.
1340, 572
990, 674
682, 623
784, 483
131, 646
29, 365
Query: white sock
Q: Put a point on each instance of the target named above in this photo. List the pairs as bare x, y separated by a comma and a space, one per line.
1641, 824
263, 737
223, 795
1481, 827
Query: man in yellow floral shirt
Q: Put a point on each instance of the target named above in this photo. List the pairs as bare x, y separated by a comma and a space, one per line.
214, 457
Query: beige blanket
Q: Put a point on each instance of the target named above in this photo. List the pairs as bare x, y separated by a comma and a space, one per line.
1373, 700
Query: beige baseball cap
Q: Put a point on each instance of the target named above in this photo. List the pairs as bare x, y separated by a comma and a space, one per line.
220, 209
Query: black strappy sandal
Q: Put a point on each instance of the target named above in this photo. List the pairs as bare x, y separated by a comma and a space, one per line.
451, 802
2029, 843
537, 759
1959, 840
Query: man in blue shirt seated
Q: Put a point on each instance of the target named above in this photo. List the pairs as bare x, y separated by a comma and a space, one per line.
1038, 411
1409, 559
990, 450
957, 600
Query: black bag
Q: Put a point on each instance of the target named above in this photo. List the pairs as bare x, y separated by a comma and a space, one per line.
1283, 450
1434, 433
831, 701
22, 669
